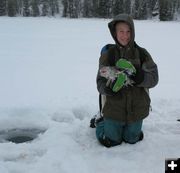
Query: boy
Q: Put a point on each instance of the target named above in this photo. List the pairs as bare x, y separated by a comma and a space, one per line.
125, 74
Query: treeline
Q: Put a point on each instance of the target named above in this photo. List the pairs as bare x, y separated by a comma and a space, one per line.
29, 8
140, 9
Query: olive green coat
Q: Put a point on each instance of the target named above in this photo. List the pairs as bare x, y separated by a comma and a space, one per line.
131, 103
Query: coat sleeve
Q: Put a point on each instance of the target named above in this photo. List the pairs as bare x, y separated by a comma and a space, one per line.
101, 81
150, 69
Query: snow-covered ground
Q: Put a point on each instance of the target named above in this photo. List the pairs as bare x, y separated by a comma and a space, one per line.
48, 69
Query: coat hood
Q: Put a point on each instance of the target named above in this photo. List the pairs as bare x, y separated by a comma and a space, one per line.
122, 18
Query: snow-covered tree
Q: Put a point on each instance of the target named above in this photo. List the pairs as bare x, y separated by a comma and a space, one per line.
65, 9
127, 6
165, 10
139, 9
12, 8
3, 7
118, 7
104, 8
35, 8
87, 8
26, 9
71, 8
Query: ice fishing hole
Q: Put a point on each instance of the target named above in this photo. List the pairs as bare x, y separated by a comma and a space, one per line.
20, 135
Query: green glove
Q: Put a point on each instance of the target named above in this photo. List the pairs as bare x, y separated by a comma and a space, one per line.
120, 81
127, 70
123, 64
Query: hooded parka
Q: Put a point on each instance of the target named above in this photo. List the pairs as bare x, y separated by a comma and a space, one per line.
131, 103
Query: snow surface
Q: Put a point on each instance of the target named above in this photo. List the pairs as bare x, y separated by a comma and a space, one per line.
48, 69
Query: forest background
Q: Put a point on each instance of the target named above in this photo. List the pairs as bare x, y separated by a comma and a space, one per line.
163, 10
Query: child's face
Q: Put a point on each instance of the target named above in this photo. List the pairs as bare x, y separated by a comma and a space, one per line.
123, 33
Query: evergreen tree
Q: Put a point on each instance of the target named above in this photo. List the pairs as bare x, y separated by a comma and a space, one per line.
35, 8
135, 10
140, 9
103, 9
118, 7
73, 8
95, 6
165, 10
111, 4
54, 7
143, 10
65, 9
127, 6
178, 6
12, 8
176, 9
20, 7
77, 7
87, 8
45, 10
26, 9
155, 7
2, 7
70, 8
